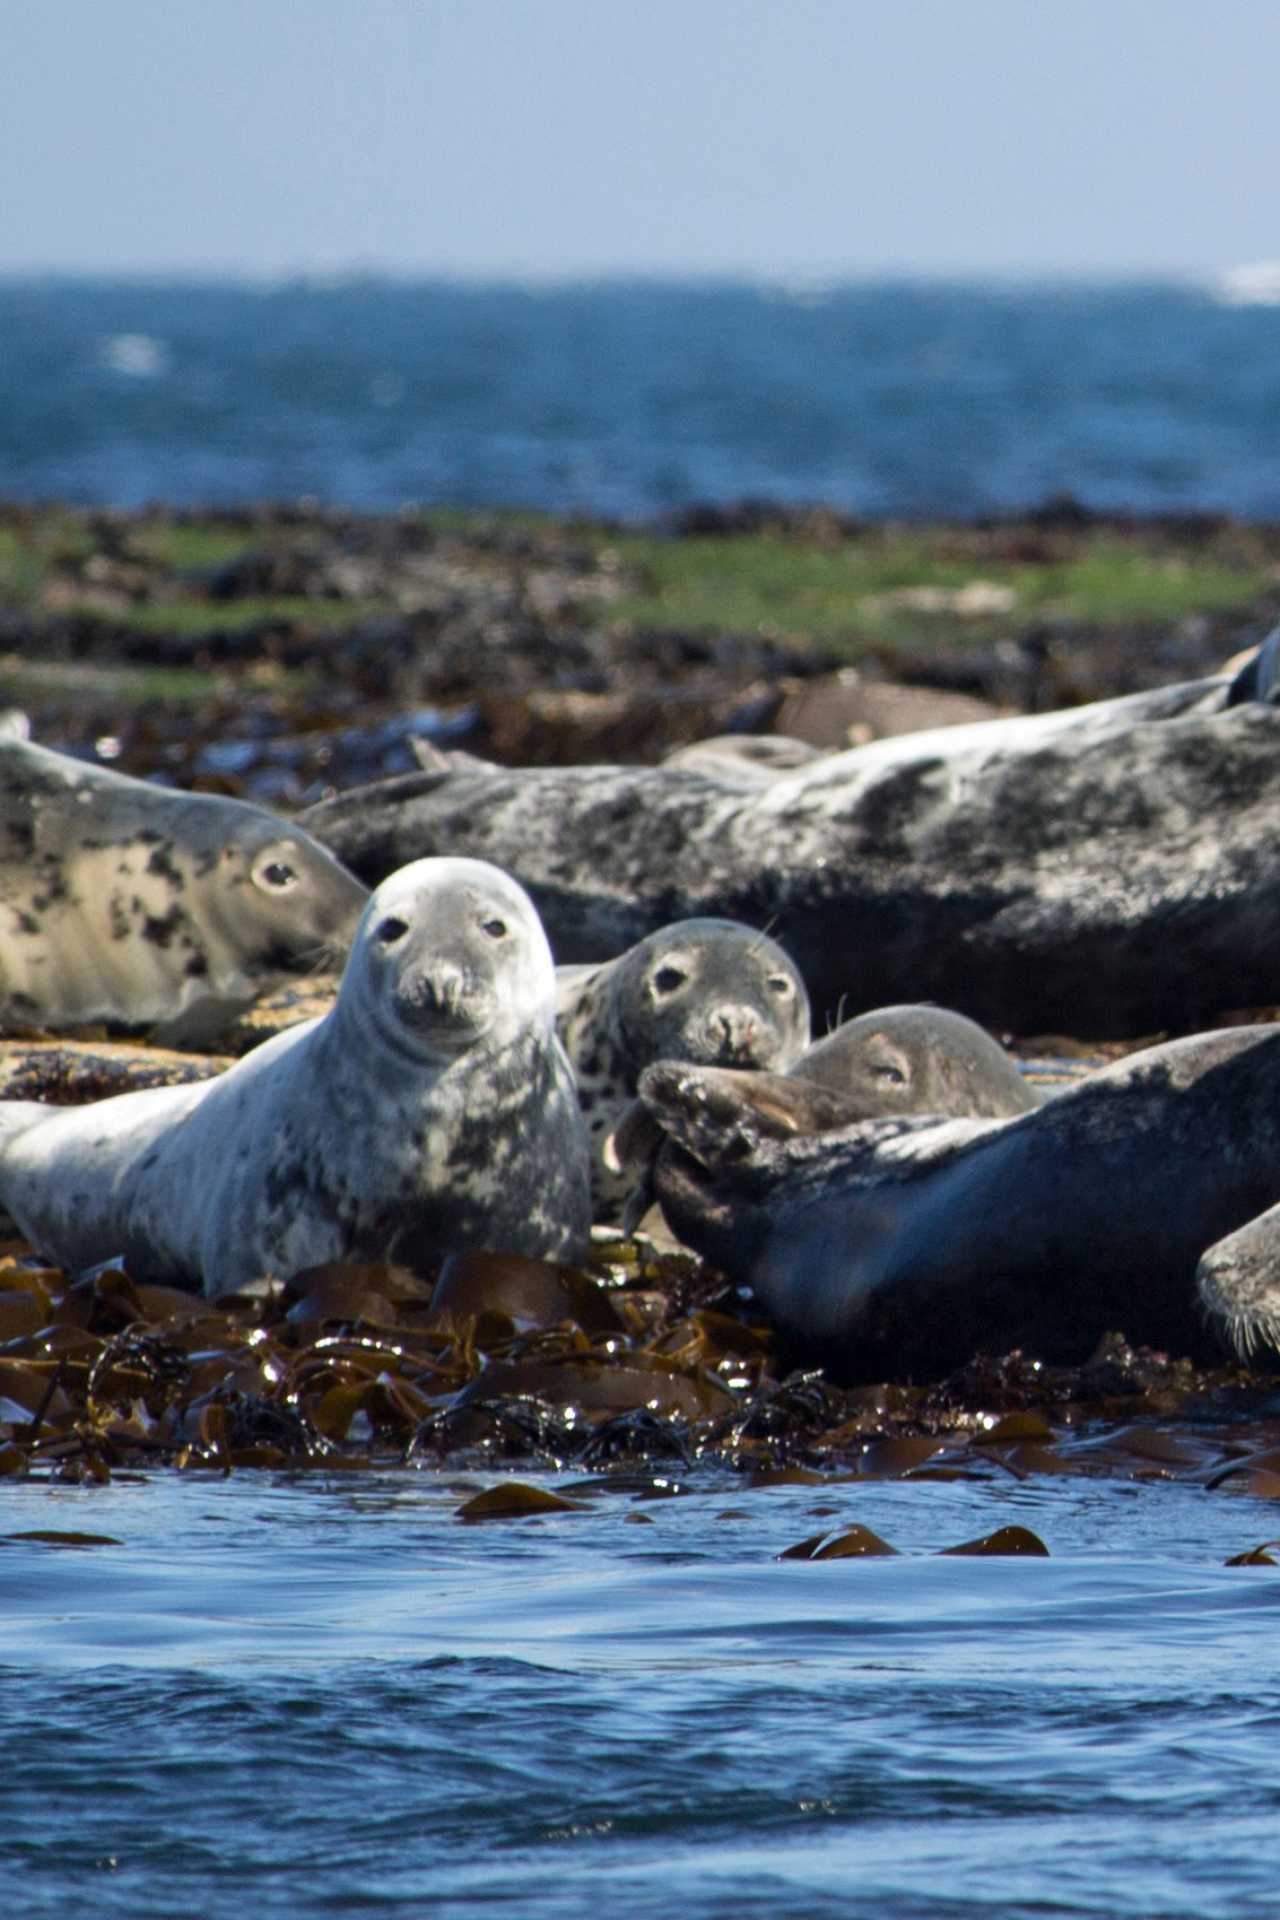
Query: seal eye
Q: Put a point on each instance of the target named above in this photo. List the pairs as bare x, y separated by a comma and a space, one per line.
390, 930
778, 983
278, 875
668, 979
496, 929
894, 1075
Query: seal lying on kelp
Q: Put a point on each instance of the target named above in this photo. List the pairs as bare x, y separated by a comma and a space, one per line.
711, 991
432, 1110
897, 1247
1110, 871
127, 902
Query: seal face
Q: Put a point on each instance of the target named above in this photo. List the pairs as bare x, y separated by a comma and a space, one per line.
917, 1059
899, 1246
432, 1109
711, 991
126, 902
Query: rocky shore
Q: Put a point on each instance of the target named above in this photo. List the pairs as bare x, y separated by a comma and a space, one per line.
285, 653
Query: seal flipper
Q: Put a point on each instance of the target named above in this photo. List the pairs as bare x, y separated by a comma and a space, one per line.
722, 1114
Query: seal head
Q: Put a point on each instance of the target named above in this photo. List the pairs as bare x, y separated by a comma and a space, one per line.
917, 1059
126, 902
709, 991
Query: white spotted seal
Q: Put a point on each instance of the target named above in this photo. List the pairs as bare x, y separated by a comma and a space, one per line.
705, 990
1111, 870
126, 902
432, 1109
897, 1247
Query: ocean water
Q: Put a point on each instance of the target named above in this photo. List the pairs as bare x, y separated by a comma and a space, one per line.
637, 399
308, 1696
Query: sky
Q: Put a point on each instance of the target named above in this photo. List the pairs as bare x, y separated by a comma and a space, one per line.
553, 138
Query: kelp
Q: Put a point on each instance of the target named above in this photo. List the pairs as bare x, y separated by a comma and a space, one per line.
639, 1361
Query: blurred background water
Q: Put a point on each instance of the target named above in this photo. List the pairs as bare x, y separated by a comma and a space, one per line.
636, 397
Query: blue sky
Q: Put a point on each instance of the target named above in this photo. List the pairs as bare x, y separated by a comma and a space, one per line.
554, 137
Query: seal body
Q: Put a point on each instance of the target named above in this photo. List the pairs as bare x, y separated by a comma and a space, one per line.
916, 1059
127, 902
431, 1110
897, 1247
1110, 870
704, 990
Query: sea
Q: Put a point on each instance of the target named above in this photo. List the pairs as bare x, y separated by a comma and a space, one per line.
327, 1694
637, 399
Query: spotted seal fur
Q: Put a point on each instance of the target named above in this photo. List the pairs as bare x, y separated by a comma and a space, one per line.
131, 903
1111, 870
897, 1247
431, 1110
703, 990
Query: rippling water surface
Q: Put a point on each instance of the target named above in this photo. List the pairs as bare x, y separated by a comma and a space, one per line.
633, 398
332, 1696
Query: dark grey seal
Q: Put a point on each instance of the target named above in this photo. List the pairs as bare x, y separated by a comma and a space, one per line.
895, 1248
126, 902
432, 1110
710, 991
1110, 871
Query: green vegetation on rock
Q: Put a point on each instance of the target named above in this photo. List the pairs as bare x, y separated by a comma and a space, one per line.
891, 585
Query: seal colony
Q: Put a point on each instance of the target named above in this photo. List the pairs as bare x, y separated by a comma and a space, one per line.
126, 902
431, 1110
710, 991
900, 1246
1110, 869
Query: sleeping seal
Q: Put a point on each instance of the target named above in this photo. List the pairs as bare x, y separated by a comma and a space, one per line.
1110, 870
709, 991
432, 1109
899, 1246
122, 901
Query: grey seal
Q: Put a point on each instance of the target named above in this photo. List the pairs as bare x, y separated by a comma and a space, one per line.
125, 902
896, 1060
917, 1059
1110, 869
1238, 1283
897, 1247
431, 1110
707, 990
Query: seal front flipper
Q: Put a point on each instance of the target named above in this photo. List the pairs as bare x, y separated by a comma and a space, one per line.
720, 1113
